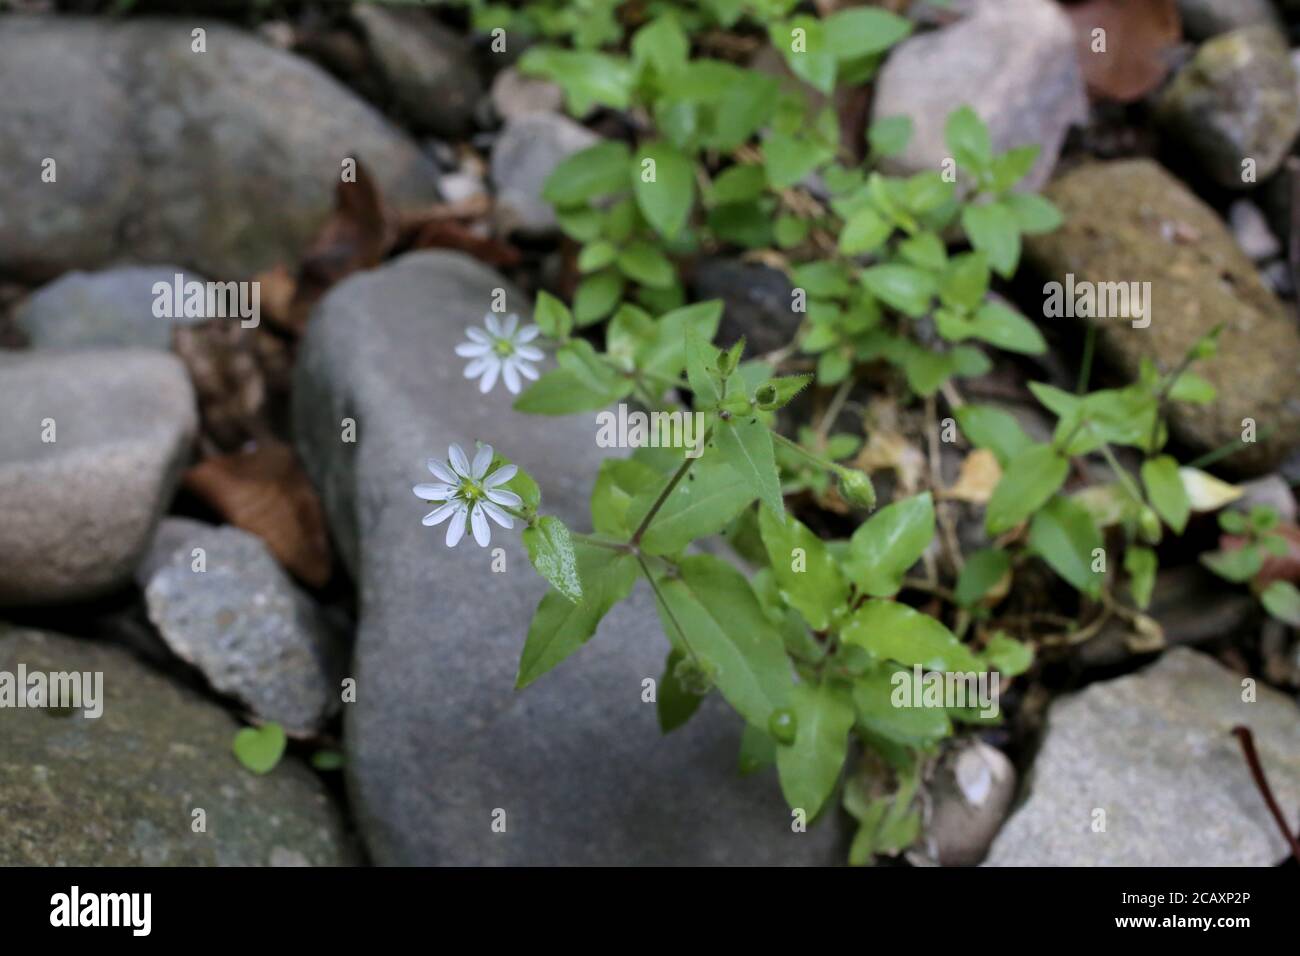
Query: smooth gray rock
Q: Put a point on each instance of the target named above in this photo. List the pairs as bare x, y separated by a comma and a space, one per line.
1012, 61
1155, 751
224, 161
101, 309
514, 94
1250, 229
527, 151
79, 511
169, 537
1234, 101
121, 789
241, 621
967, 794
439, 738
1203, 19
427, 67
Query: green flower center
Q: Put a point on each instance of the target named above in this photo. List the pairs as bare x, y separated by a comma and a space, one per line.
504, 347
470, 492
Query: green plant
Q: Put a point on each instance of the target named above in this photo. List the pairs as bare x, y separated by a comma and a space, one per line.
810, 648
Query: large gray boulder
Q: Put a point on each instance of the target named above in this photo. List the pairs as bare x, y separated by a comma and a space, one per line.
439, 738
1155, 752
121, 789
224, 160
1012, 61
79, 509
100, 309
233, 613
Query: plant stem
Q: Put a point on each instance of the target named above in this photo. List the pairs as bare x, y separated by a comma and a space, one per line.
1085, 366
833, 409
1121, 473
1247, 739
682, 469
794, 446
654, 586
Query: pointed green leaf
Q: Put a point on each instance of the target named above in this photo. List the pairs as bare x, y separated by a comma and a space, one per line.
1031, 477
810, 767
550, 549
896, 632
1064, 535
806, 576
890, 542
745, 444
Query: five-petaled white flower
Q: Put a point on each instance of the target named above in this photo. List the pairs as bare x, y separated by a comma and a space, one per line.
469, 493
501, 350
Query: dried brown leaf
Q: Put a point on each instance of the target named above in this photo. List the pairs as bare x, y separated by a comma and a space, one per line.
1138, 35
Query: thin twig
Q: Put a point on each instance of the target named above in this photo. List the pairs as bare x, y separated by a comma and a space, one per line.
1257, 771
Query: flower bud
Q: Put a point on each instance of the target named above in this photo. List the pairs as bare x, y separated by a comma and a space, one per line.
1149, 525
766, 397
783, 726
856, 488
695, 676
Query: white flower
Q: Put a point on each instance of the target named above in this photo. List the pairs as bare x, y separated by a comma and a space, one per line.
500, 351
469, 493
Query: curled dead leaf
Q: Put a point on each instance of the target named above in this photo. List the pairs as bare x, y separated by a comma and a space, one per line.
1123, 46
266, 492
979, 475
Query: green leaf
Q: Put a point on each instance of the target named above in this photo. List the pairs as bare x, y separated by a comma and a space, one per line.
890, 542
674, 703
597, 171
788, 159
805, 53
1008, 655
981, 573
259, 749
968, 138
905, 288
662, 43
810, 767
560, 627
889, 135
738, 184
1064, 535
1029, 480
550, 549
725, 627
665, 354
563, 392
1237, 566
552, 316
618, 483
1190, 387
745, 444
862, 31
646, 264
757, 750
805, 573
1140, 563
881, 711
993, 230
965, 282
596, 296
1165, 491
1282, 600
1034, 214
925, 250
666, 200
893, 631
1012, 166
865, 231
588, 78
702, 370
783, 390
998, 431
596, 255
703, 503
996, 324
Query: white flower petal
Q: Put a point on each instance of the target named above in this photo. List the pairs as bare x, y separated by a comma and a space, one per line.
527, 334
482, 530
439, 515
432, 492
493, 324
480, 365
472, 349
508, 327
526, 370
529, 353
500, 476
440, 471
489, 377
456, 529
497, 515
511, 376
503, 497
482, 461
478, 335
458, 461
